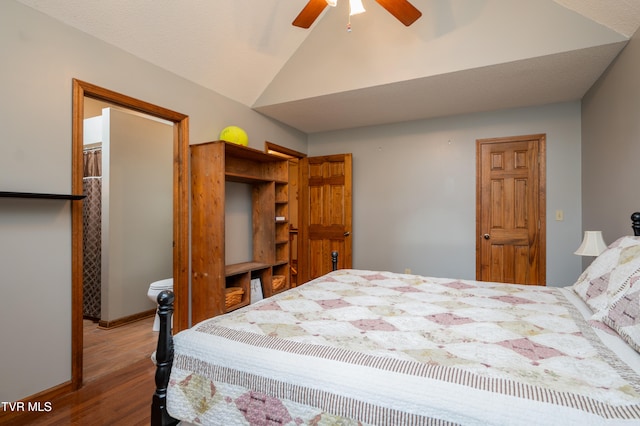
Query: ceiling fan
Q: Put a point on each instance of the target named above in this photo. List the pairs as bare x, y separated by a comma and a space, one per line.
404, 11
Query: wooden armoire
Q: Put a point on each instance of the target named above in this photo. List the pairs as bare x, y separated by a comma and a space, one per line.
213, 164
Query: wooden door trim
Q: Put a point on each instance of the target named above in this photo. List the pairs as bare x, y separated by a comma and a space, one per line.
81, 90
303, 261
542, 198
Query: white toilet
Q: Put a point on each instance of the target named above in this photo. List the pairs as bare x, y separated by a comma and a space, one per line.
154, 289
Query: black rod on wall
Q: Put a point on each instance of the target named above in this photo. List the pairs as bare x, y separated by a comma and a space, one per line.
8, 194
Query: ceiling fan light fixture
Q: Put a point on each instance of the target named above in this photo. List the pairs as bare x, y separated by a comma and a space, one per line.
402, 10
355, 7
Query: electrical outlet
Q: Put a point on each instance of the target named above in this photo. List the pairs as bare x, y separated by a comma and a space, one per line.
407, 270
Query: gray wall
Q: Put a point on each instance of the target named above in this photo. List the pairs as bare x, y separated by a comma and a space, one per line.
611, 146
41, 56
238, 224
414, 189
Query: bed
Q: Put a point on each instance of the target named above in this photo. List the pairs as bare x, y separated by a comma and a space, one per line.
359, 347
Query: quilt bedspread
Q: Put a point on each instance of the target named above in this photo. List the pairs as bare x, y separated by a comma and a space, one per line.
367, 347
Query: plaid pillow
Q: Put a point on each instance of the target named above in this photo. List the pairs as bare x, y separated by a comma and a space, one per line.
605, 280
623, 315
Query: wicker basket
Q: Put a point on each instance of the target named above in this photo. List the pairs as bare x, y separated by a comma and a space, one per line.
233, 296
278, 282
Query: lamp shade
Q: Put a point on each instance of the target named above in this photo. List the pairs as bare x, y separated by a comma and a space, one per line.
355, 7
592, 245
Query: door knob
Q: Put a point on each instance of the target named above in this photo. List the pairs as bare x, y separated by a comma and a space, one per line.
346, 234
486, 236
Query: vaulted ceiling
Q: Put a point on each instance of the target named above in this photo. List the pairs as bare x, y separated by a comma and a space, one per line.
461, 56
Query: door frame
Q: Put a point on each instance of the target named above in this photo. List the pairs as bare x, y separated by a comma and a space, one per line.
542, 199
180, 121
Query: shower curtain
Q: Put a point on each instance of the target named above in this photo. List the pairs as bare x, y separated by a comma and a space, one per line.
92, 235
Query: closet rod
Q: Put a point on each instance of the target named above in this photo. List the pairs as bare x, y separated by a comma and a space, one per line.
11, 194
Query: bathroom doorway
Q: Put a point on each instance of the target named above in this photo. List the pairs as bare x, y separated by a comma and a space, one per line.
127, 211
83, 91
127, 232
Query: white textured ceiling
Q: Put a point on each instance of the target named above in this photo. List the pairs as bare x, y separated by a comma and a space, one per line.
461, 56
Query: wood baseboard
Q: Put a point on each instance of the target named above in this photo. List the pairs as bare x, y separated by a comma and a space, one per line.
126, 320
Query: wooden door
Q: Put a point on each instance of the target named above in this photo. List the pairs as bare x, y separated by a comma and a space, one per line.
325, 214
510, 216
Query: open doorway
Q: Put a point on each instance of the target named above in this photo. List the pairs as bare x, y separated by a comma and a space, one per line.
82, 91
127, 232
128, 211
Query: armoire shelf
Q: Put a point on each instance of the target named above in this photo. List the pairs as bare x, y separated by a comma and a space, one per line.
241, 268
213, 164
9, 194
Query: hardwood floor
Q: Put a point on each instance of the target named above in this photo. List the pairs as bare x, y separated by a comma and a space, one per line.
118, 381
107, 350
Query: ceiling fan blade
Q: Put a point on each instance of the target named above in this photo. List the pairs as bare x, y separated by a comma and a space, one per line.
310, 13
404, 11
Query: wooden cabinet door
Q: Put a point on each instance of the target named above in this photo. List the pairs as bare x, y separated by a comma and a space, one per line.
325, 214
510, 241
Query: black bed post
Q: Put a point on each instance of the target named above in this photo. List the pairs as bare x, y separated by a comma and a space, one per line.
164, 361
635, 223
334, 260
